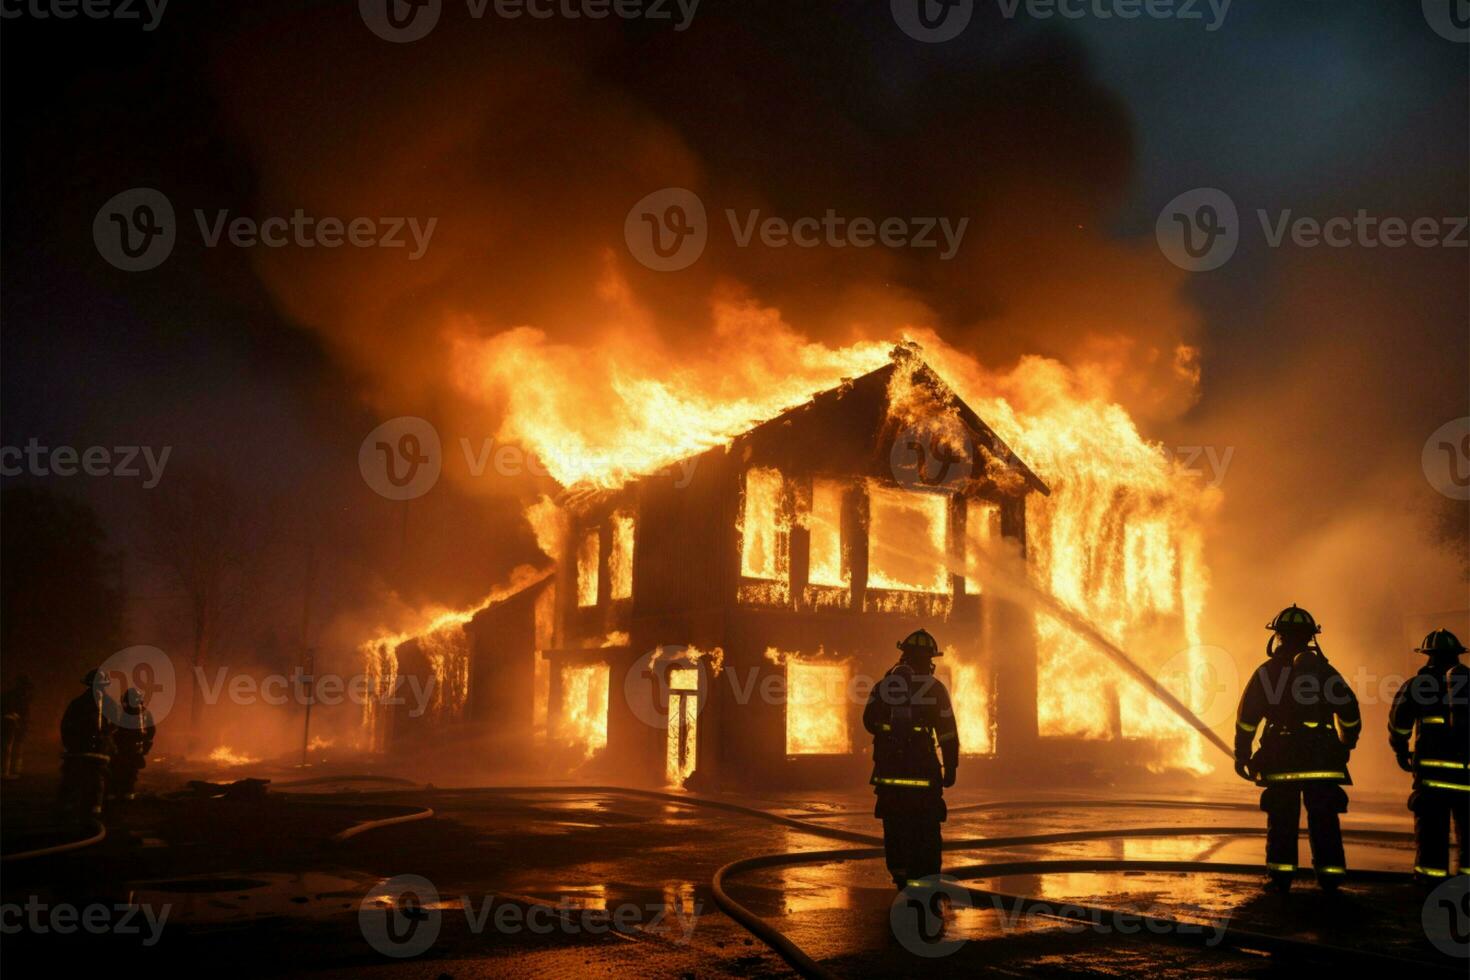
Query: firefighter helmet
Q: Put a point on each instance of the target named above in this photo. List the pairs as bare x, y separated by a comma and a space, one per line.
1294, 621
919, 641
1441, 641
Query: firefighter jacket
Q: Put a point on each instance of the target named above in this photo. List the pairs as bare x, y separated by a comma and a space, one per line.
133, 734
910, 716
1433, 708
84, 725
1307, 717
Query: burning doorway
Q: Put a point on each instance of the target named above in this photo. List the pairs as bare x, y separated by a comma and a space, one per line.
683, 716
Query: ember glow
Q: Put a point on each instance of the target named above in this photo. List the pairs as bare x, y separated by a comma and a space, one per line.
225, 756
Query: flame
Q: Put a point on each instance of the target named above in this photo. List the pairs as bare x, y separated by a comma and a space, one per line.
969, 693
444, 645
629, 418
226, 756
620, 562
816, 705
588, 550
1119, 541
582, 723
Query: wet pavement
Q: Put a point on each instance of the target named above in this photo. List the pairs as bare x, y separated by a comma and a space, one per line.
571, 884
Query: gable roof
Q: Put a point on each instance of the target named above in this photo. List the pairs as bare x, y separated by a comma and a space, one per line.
854, 423
851, 429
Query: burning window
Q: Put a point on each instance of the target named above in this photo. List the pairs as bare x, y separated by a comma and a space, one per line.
906, 539
620, 562
765, 530
969, 693
816, 708
824, 524
587, 562
583, 716
982, 531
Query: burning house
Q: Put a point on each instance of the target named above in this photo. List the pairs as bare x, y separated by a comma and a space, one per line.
723, 617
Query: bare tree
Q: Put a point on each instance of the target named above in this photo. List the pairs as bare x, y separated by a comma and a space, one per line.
211, 539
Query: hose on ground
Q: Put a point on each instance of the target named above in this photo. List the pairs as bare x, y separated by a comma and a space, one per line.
98, 835
784, 947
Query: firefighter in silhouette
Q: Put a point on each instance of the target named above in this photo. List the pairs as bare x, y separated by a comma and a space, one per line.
1433, 708
1309, 722
15, 703
86, 743
909, 715
133, 731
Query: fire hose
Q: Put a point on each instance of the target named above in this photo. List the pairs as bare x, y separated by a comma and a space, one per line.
1176, 930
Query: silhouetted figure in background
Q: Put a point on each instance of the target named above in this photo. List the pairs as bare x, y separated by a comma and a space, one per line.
15, 715
1311, 724
908, 714
86, 745
1433, 707
132, 736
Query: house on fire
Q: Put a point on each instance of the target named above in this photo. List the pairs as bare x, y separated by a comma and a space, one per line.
723, 618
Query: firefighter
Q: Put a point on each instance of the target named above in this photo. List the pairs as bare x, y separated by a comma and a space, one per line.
133, 732
909, 714
1309, 723
86, 742
1433, 707
15, 703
